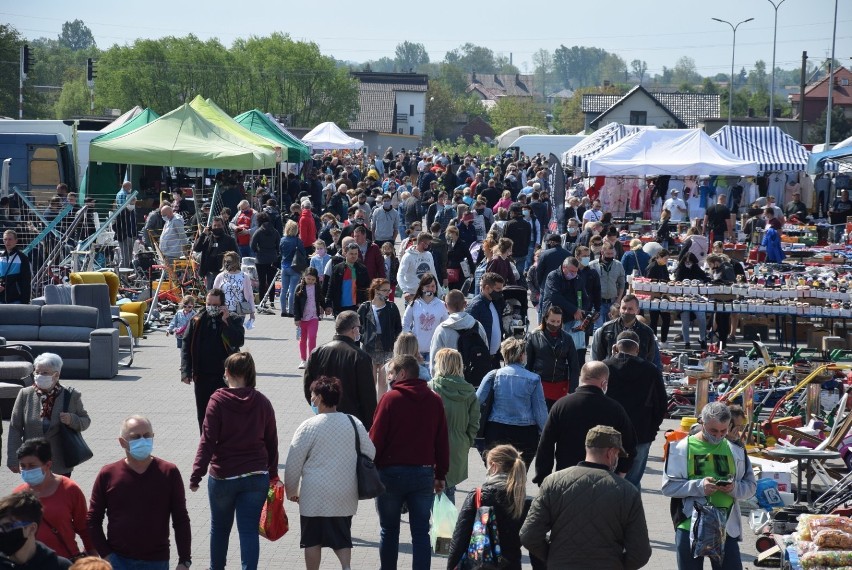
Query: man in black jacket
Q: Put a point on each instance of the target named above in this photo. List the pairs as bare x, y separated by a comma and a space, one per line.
551, 354
605, 336
574, 415
551, 258
15, 272
212, 244
566, 289
638, 386
210, 338
487, 308
348, 282
343, 359
520, 232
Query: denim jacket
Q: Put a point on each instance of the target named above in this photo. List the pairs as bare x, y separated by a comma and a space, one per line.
518, 396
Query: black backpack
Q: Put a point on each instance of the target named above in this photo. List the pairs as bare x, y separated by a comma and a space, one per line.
475, 355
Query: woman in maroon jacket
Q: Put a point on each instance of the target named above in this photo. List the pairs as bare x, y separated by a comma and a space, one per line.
239, 442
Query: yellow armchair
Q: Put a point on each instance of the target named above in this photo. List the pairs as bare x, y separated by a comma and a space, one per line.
132, 312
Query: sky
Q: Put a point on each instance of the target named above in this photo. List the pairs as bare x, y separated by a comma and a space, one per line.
656, 31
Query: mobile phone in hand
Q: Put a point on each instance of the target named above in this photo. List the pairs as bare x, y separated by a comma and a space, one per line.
722, 482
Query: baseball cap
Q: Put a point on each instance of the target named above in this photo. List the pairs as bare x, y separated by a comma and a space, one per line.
605, 437
552, 237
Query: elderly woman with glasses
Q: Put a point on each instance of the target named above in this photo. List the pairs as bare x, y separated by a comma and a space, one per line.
39, 411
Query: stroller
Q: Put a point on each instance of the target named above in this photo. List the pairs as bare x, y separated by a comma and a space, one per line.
516, 313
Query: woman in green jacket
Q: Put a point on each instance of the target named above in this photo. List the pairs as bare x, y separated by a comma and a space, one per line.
462, 410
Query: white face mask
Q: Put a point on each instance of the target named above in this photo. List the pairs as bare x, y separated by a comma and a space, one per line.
44, 381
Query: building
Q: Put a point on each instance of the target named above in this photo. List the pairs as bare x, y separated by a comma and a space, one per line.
816, 96
391, 103
641, 107
489, 87
560, 96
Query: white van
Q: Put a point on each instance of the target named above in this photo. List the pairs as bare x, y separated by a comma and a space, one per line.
546, 144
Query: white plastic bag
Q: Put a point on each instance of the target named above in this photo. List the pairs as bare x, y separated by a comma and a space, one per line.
444, 515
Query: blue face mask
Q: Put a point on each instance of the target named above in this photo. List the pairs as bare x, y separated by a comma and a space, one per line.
140, 449
314, 409
32, 477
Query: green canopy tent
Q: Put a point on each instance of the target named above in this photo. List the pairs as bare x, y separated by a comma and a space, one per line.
210, 111
182, 138
102, 180
258, 123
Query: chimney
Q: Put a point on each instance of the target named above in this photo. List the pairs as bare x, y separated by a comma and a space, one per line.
473, 77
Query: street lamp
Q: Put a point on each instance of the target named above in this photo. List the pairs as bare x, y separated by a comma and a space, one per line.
830, 80
774, 40
733, 52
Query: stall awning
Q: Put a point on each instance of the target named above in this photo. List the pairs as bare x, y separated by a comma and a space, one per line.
673, 152
771, 148
594, 144
328, 136
263, 125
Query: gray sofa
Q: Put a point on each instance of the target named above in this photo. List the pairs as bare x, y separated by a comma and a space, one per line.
67, 330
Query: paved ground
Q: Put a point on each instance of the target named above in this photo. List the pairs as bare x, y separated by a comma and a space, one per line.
152, 387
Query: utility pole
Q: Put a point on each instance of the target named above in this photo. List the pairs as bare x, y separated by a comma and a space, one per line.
774, 42
802, 97
830, 81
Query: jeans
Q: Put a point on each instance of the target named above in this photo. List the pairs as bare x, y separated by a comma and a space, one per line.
604, 316
245, 497
289, 280
413, 485
308, 337
685, 561
686, 322
122, 563
634, 476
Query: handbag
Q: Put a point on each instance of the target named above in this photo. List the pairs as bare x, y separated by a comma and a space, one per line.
75, 450
453, 275
299, 261
370, 484
273, 518
483, 550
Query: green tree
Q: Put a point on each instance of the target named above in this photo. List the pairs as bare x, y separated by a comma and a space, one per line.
578, 66
76, 36
613, 69
472, 58
74, 100
34, 105
709, 87
684, 71
410, 56
841, 127
514, 111
569, 117
757, 78
543, 62
639, 68
440, 109
501, 62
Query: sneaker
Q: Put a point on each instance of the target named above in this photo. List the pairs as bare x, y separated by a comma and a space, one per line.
687, 347
302, 364
664, 345
703, 344
732, 339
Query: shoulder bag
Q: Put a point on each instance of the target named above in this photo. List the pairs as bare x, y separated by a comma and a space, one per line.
75, 450
299, 261
370, 484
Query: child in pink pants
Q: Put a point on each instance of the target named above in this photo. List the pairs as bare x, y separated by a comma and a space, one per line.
307, 309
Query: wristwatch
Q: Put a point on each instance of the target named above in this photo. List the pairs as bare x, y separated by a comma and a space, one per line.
187, 563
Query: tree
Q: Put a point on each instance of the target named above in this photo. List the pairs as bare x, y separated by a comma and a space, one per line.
513, 111
709, 87
613, 69
74, 100
410, 56
472, 58
570, 118
34, 106
578, 66
684, 71
639, 68
543, 62
757, 77
76, 36
440, 110
841, 128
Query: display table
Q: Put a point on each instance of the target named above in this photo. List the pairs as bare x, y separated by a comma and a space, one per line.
799, 455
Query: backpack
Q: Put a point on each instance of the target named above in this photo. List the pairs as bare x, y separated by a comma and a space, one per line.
475, 355
483, 549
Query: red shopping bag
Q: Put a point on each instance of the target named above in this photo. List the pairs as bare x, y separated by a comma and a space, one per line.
273, 518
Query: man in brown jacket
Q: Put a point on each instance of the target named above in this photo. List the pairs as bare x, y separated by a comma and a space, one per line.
616, 537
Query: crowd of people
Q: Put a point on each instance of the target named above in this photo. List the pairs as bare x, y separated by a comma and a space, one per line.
427, 361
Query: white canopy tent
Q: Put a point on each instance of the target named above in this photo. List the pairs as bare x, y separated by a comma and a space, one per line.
674, 152
328, 136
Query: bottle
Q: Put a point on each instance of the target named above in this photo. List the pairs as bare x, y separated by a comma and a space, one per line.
298, 332
587, 321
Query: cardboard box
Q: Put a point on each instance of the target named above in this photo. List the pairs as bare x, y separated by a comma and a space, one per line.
801, 331
815, 338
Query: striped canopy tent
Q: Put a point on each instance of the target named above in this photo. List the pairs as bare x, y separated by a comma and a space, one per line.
770, 147
594, 144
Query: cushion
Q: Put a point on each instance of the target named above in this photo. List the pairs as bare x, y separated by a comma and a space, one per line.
66, 350
60, 333
14, 333
69, 315
57, 294
20, 315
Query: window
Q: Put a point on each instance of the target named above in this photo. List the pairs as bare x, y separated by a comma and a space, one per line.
410, 130
399, 131
638, 117
411, 110
44, 167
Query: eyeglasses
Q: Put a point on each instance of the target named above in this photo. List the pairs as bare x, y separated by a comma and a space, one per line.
9, 526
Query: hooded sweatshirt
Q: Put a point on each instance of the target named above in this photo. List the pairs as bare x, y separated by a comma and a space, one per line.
414, 265
44, 559
447, 334
410, 428
307, 228
239, 436
461, 407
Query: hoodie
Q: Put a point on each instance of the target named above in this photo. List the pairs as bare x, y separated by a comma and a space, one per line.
447, 334
413, 265
307, 228
410, 428
43, 559
239, 436
461, 407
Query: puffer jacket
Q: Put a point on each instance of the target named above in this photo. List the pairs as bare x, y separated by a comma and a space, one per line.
493, 495
462, 410
617, 537
554, 359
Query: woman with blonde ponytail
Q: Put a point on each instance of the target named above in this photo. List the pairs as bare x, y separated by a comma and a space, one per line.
504, 490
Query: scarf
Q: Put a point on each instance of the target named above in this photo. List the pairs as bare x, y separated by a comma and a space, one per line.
48, 399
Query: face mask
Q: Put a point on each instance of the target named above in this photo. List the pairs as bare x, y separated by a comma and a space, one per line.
712, 439
381, 297
628, 319
314, 409
608, 258
552, 328
320, 251
141, 448
218, 232
572, 231
570, 276
32, 477
12, 541
688, 265
386, 206
213, 310
585, 260
496, 295
44, 382
188, 309
430, 293
357, 337
526, 213
131, 207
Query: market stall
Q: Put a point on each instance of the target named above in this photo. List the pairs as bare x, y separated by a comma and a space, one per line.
295, 151
328, 136
578, 157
